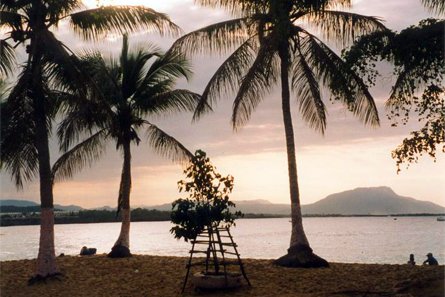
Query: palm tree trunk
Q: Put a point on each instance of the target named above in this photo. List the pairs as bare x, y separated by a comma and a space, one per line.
299, 253
121, 248
298, 237
46, 259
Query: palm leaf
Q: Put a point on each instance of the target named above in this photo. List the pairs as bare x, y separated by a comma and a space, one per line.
260, 77
58, 10
168, 66
17, 150
65, 67
342, 27
161, 75
84, 153
305, 84
81, 117
166, 145
93, 24
171, 101
227, 77
11, 19
437, 6
236, 7
133, 67
7, 58
345, 85
220, 38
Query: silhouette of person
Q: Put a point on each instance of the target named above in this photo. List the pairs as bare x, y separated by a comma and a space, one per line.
430, 260
411, 260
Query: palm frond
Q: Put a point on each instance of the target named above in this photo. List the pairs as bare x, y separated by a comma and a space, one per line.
168, 66
10, 19
166, 145
236, 7
58, 10
227, 77
84, 153
93, 24
162, 74
133, 67
261, 76
63, 66
7, 58
177, 100
219, 38
437, 6
17, 150
342, 27
81, 116
345, 85
307, 90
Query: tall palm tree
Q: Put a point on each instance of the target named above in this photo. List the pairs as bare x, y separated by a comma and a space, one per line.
30, 107
138, 85
270, 42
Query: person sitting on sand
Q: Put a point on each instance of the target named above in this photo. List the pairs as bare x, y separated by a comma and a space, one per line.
411, 260
87, 251
430, 260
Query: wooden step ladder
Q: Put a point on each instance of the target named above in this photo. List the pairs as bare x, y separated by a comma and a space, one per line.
217, 242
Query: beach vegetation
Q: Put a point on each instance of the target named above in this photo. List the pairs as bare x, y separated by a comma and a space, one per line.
207, 204
270, 43
34, 100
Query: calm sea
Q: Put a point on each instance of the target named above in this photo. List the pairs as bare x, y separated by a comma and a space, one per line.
348, 240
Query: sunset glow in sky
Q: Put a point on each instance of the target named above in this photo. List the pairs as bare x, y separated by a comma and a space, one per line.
348, 156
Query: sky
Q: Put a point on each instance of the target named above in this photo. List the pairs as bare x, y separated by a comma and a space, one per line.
348, 156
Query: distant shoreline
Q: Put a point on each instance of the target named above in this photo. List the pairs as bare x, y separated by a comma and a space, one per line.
144, 215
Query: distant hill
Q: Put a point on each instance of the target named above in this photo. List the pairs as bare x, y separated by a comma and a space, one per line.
370, 201
27, 205
259, 206
19, 203
360, 201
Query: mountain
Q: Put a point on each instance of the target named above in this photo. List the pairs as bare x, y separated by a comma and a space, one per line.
259, 206
27, 203
360, 201
372, 201
19, 203
262, 206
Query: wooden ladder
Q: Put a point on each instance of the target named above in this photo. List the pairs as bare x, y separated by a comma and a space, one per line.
216, 251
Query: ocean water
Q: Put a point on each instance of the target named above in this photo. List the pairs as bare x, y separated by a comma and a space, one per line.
346, 239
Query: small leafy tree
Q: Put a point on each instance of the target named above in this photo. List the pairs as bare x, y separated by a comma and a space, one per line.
208, 202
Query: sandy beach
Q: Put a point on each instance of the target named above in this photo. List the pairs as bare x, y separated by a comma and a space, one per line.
143, 275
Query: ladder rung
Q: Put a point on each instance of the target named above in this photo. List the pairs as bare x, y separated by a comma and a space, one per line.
204, 241
192, 252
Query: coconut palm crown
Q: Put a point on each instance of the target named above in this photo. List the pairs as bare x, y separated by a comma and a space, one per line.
138, 85
32, 102
270, 42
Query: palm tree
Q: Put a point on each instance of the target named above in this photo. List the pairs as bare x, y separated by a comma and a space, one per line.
140, 84
31, 104
270, 42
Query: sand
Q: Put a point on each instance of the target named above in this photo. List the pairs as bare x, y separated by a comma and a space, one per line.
143, 275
